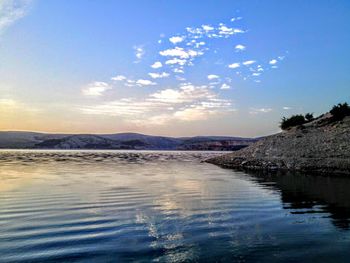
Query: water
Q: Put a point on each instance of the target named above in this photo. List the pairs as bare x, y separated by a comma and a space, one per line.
105, 206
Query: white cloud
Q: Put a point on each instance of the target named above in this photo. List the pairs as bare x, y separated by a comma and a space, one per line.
157, 64
240, 47
224, 30
235, 18
273, 62
255, 74
261, 110
176, 39
225, 86
11, 11
158, 75
126, 107
287, 108
176, 61
188, 93
212, 76
234, 65
145, 82
180, 52
248, 62
118, 78
179, 70
96, 88
207, 27
139, 52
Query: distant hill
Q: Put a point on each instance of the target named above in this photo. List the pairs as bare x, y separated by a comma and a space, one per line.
34, 140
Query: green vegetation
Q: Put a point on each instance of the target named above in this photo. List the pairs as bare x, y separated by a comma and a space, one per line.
340, 111
295, 120
309, 117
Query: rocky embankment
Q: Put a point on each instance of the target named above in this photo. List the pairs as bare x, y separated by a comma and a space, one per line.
321, 146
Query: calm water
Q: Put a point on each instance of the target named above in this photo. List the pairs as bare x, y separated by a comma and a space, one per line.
164, 207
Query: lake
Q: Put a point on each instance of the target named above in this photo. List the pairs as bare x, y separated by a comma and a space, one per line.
149, 206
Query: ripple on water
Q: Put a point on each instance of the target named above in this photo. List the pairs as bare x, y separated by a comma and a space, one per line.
110, 206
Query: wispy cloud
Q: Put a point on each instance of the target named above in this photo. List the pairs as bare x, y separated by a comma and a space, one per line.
254, 111
182, 101
159, 75
139, 53
119, 78
11, 11
176, 39
225, 86
248, 62
240, 47
96, 88
212, 76
234, 65
157, 64
145, 82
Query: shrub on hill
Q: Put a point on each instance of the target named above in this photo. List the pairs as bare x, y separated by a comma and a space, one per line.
292, 121
309, 117
340, 111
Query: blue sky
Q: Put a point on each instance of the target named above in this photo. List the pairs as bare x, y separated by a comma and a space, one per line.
170, 67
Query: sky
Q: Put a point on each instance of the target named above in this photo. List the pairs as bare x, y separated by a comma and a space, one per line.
174, 68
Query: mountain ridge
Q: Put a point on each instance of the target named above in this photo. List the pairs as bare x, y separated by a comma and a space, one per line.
137, 141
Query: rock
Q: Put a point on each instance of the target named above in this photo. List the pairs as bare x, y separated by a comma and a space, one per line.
321, 146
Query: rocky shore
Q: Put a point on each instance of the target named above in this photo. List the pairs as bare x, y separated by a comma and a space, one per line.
321, 146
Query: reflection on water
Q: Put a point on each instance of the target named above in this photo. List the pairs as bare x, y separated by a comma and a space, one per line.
302, 194
110, 206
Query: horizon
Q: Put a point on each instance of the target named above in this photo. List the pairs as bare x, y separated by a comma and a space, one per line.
154, 135
232, 68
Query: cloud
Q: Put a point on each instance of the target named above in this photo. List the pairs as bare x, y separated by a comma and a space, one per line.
180, 52
96, 88
225, 86
273, 62
212, 76
224, 30
203, 111
207, 28
173, 61
240, 47
158, 75
11, 11
248, 62
287, 108
139, 52
178, 70
235, 18
234, 65
176, 40
157, 64
145, 82
185, 94
126, 107
254, 111
118, 78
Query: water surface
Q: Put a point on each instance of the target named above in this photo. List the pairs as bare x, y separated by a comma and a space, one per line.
105, 206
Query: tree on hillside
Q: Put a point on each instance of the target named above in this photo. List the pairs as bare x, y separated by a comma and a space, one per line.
292, 121
309, 117
340, 111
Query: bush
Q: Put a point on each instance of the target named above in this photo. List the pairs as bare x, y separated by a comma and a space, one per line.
295, 120
309, 117
340, 111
